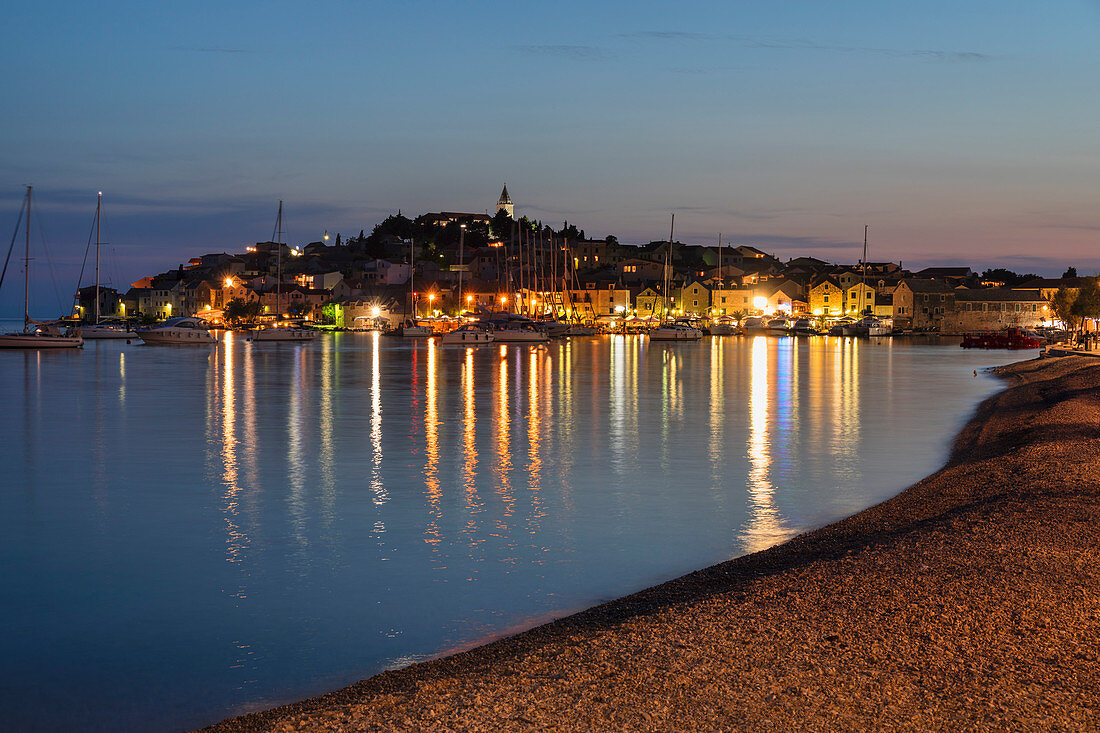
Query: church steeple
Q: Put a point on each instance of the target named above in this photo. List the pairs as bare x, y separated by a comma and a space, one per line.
504, 203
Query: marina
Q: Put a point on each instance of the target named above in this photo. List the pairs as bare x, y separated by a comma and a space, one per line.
247, 523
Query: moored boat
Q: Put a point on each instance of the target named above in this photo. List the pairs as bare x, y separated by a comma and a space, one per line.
105, 331
181, 330
471, 334
35, 335
778, 327
284, 333
41, 336
804, 327
675, 332
754, 326
722, 327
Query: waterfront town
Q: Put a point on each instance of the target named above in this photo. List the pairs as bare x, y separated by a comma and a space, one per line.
437, 266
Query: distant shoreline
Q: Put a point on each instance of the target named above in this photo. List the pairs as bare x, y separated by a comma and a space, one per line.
967, 601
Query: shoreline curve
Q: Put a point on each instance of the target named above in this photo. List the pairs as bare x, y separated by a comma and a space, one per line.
969, 600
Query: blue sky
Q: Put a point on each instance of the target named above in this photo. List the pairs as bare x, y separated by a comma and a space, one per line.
960, 132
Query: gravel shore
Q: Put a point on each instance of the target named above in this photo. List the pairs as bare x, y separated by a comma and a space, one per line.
969, 601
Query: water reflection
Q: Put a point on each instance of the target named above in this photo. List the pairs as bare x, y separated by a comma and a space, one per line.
765, 526
377, 488
432, 532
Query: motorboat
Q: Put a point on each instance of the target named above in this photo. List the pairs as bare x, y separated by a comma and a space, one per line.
868, 326
469, 335
754, 326
841, 327
553, 328
675, 331
181, 330
804, 327
578, 330
41, 336
284, 333
778, 327
722, 327
410, 329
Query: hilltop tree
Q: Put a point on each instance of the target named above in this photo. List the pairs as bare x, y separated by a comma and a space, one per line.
501, 225
570, 232
1008, 277
1070, 272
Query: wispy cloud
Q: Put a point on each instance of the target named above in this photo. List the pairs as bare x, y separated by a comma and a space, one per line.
212, 49
806, 45
564, 50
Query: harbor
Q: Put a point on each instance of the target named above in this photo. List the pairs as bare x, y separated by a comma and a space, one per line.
246, 523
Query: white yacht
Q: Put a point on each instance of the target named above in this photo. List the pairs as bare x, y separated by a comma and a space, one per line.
804, 327
754, 326
675, 332
284, 333
722, 327
182, 330
471, 334
409, 329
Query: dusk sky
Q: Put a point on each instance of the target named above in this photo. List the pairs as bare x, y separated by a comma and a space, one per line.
962, 133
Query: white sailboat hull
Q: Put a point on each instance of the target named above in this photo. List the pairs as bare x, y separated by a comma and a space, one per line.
104, 332
39, 341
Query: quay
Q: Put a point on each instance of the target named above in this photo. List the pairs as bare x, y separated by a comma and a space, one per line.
969, 601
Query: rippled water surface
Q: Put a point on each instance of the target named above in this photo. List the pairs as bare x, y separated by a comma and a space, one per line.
189, 532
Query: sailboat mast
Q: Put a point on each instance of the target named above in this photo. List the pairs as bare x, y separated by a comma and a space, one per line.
279, 263
863, 271
98, 205
667, 275
27, 266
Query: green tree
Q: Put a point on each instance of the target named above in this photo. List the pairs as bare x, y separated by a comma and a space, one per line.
238, 311
1061, 303
501, 226
1087, 303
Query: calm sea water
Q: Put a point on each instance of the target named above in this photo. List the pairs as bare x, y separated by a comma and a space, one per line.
188, 533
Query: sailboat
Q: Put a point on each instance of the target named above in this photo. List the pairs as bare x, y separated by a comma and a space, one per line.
669, 330
35, 335
869, 325
99, 330
408, 327
282, 333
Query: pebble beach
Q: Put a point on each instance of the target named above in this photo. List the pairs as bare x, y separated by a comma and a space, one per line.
969, 601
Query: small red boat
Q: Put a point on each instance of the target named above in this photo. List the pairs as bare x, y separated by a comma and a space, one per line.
1009, 338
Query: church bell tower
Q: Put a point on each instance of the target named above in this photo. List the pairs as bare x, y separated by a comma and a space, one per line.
504, 203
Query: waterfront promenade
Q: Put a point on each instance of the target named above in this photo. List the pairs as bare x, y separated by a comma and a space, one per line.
970, 601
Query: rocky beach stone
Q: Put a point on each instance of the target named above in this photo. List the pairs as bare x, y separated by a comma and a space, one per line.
969, 601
